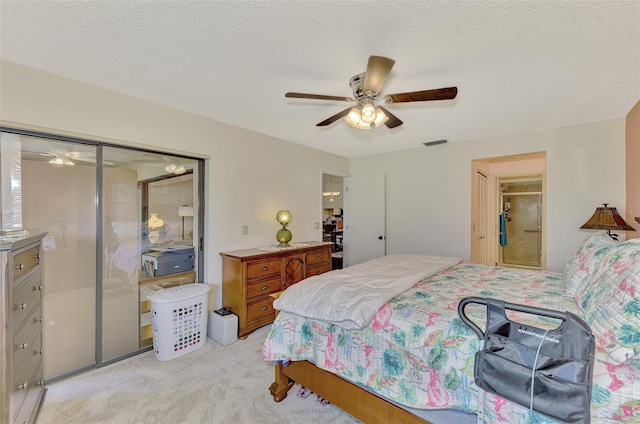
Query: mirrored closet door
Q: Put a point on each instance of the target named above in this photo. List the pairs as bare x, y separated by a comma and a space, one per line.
110, 214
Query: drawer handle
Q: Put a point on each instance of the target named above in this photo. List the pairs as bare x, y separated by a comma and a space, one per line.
23, 345
23, 386
37, 256
23, 306
39, 351
265, 308
265, 288
39, 382
318, 273
39, 288
318, 257
20, 266
265, 268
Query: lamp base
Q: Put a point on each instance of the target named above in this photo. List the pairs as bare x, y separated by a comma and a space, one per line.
284, 237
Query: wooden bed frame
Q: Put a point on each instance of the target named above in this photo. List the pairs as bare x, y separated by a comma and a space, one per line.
351, 398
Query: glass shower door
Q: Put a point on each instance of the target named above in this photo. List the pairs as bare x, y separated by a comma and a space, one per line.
521, 223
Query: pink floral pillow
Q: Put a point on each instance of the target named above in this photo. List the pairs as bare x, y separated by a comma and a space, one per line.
611, 303
584, 265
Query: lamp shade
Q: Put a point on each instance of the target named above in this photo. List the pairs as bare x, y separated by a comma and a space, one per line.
283, 217
154, 221
606, 218
185, 210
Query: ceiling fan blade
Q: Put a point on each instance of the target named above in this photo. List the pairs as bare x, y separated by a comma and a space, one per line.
317, 97
422, 96
393, 120
378, 69
82, 159
334, 118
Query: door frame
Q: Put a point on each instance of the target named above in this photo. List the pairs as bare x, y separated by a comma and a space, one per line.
525, 164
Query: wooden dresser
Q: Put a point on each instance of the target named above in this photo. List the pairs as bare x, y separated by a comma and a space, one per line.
250, 276
21, 331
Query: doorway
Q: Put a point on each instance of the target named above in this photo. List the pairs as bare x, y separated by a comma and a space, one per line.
513, 184
332, 217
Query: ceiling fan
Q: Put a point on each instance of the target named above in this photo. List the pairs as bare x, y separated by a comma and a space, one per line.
172, 165
366, 86
63, 157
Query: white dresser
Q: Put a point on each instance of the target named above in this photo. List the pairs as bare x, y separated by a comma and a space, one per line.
21, 330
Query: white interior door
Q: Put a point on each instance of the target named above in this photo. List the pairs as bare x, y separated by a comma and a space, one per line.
364, 218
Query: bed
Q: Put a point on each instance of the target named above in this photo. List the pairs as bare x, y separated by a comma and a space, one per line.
416, 355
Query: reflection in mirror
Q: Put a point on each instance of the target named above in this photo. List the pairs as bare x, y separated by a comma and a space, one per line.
59, 197
142, 202
95, 285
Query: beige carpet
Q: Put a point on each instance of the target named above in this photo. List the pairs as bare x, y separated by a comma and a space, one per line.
214, 384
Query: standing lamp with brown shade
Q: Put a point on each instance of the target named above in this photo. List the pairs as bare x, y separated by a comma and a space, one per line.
607, 218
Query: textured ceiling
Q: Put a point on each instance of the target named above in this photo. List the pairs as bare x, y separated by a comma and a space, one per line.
518, 66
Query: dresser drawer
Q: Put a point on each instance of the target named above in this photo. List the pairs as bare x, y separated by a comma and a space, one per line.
262, 288
24, 339
318, 257
318, 269
260, 309
32, 399
258, 270
26, 261
23, 378
25, 298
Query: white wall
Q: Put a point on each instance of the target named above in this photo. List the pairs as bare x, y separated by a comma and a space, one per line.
429, 189
249, 178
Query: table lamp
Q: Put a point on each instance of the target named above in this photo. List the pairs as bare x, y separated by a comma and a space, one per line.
284, 235
183, 211
606, 218
153, 223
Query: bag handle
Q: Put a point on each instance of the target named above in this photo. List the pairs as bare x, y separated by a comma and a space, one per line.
513, 306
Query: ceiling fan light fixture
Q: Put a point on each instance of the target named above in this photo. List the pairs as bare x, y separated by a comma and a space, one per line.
353, 117
381, 118
60, 160
368, 113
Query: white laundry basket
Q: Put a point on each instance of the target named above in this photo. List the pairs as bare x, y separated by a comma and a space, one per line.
179, 319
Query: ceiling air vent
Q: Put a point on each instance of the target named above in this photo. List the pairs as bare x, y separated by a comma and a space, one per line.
434, 143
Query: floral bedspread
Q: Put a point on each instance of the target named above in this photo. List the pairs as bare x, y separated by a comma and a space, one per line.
419, 353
